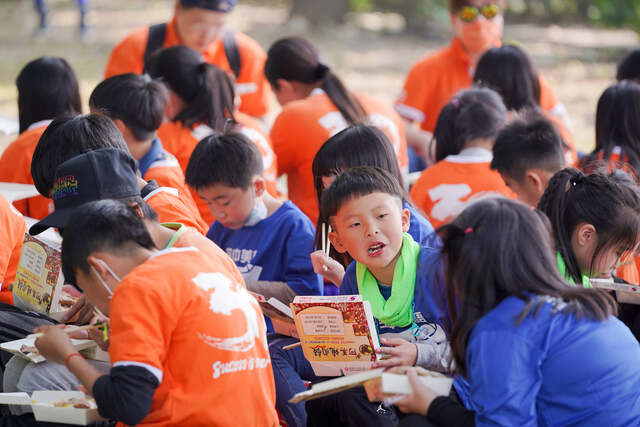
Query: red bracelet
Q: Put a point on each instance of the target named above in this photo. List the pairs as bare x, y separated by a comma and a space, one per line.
66, 360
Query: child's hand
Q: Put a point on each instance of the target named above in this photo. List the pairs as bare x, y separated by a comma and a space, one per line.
98, 334
55, 345
420, 400
81, 312
327, 267
399, 353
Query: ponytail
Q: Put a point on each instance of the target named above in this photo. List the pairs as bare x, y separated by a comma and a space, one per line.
608, 203
295, 59
207, 91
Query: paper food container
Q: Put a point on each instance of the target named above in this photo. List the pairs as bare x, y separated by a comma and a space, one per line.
43, 409
14, 347
397, 384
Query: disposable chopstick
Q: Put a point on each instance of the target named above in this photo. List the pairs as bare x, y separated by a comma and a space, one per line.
68, 329
292, 346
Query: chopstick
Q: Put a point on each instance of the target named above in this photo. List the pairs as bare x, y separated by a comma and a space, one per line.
292, 346
326, 244
68, 329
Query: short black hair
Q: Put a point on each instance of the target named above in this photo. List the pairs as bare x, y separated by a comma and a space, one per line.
629, 67
104, 225
357, 182
470, 114
135, 99
528, 141
230, 159
47, 88
69, 136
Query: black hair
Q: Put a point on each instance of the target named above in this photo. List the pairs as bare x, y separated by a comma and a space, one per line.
230, 159
573, 198
509, 71
629, 67
528, 141
359, 145
617, 125
207, 91
47, 88
69, 136
104, 225
471, 114
357, 182
497, 248
295, 59
135, 99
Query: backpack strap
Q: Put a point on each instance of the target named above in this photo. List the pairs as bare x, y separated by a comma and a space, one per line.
232, 52
157, 33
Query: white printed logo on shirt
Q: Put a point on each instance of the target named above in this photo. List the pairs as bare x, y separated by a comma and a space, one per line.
448, 201
223, 300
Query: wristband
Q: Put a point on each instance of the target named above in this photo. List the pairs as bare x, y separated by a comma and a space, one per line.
66, 360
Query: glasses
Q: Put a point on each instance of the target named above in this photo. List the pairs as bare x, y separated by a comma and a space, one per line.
470, 13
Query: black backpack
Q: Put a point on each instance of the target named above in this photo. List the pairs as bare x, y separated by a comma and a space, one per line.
158, 32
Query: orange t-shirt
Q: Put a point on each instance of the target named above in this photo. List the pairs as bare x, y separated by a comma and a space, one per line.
184, 318
170, 207
251, 85
192, 238
446, 188
15, 166
13, 228
435, 79
181, 141
166, 171
304, 126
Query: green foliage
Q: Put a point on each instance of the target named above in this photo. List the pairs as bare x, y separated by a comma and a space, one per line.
605, 13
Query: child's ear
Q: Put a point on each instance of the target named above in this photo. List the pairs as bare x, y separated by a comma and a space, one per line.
97, 265
406, 220
534, 179
334, 238
259, 186
586, 234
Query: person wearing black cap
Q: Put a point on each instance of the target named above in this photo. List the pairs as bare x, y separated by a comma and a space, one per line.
79, 181
200, 25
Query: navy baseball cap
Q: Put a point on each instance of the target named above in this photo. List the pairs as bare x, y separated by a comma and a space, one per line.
106, 173
215, 5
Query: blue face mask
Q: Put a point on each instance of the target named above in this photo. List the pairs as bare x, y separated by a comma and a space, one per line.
115, 276
258, 213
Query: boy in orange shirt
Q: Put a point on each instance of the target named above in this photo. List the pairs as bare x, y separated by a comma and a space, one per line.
199, 24
527, 153
183, 331
13, 228
477, 26
136, 105
47, 88
464, 138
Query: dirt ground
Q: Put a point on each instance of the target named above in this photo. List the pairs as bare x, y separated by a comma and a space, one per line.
369, 54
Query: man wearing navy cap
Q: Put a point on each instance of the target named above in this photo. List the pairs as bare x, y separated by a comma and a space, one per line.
200, 25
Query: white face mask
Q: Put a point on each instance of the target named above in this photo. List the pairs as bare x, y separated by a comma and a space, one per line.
115, 276
258, 213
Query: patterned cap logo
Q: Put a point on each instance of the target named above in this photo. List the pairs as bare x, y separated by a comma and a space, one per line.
65, 186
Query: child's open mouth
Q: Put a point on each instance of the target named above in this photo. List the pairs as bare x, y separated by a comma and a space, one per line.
375, 249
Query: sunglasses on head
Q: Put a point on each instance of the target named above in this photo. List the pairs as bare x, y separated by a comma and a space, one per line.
470, 13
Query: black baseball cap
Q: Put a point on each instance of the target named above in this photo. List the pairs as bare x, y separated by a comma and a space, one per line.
215, 5
106, 173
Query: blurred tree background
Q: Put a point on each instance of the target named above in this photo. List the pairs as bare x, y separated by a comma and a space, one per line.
419, 13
